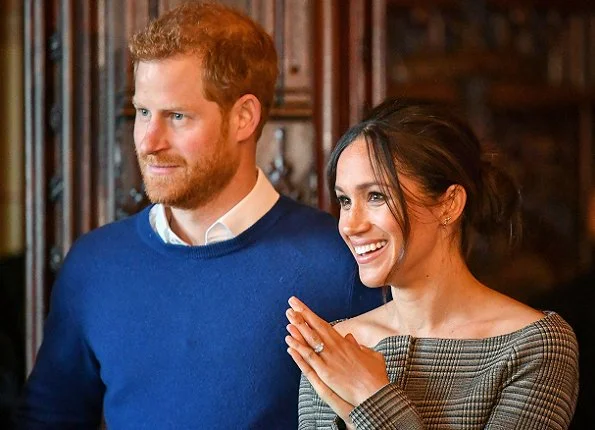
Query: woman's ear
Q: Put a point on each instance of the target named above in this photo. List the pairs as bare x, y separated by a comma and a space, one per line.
453, 204
245, 117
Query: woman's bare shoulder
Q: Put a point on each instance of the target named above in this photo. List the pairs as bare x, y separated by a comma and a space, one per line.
508, 315
367, 328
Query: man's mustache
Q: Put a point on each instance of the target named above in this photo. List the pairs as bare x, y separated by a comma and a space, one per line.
161, 159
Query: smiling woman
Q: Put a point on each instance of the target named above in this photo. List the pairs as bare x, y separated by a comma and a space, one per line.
415, 188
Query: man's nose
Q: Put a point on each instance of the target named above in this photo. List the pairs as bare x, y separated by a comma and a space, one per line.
151, 136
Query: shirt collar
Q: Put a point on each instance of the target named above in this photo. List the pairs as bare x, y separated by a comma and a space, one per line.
250, 209
237, 220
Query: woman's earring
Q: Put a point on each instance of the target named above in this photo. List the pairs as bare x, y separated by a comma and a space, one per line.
445, 221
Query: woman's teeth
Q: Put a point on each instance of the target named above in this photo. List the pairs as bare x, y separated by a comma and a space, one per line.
360, 250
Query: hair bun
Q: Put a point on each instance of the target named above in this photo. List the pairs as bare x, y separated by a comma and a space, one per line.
500, 201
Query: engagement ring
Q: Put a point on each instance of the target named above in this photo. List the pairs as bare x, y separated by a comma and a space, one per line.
319, 348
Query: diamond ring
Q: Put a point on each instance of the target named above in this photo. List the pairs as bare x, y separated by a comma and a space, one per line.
319, 348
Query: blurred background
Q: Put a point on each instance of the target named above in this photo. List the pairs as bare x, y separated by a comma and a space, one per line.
523, 73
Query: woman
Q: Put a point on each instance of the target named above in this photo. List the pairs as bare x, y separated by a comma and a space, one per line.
447, 352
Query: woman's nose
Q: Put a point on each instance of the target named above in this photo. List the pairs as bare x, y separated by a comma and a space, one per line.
354, 221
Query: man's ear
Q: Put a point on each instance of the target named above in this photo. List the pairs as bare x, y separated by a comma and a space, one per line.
245, 117
453, 204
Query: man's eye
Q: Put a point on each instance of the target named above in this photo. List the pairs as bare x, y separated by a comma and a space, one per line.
177, 116
142, 112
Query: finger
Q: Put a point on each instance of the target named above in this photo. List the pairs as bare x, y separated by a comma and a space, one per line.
313, 338
295, 333
351, 339
310, 317
340, 406
306, 351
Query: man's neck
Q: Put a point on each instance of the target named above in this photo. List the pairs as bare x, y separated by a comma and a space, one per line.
191, 225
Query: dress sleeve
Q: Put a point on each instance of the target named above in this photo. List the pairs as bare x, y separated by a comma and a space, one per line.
387, 409
64, 390
542, 385
306, 405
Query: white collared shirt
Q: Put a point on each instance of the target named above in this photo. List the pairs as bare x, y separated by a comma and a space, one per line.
237, 220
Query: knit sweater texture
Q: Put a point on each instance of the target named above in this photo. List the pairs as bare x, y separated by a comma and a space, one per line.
161, 336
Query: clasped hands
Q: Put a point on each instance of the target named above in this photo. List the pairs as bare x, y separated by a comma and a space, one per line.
343, 372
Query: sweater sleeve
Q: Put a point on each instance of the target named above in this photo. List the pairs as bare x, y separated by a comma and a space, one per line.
64, 390
542, 385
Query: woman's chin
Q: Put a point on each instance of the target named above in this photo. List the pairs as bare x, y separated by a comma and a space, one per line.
372, 282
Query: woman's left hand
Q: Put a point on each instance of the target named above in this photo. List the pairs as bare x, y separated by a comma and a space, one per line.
336, 366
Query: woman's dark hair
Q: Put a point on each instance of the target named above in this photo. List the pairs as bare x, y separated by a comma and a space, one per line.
431, 145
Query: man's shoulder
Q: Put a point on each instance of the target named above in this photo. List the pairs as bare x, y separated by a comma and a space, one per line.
301, 214
306, 226
112, 235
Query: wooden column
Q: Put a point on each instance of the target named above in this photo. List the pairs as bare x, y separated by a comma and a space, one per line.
35, 41
328, 112
378, 61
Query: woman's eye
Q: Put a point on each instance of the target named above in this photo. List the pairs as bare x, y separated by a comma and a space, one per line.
344, 202
177, 116
143, 112
376, 197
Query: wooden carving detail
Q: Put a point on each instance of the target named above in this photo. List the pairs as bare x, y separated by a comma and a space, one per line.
288, 140
122, 178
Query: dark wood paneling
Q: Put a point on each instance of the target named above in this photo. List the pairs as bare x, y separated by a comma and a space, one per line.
359, 48
586, 156
64, 104
35, 69
522, 73
327, 108
379, 48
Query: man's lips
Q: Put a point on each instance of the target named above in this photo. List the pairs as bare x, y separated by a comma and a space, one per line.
160, 169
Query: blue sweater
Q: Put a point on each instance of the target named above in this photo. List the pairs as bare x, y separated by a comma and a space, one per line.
170, 337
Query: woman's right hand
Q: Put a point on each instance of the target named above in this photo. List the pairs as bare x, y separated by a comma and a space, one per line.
343, 372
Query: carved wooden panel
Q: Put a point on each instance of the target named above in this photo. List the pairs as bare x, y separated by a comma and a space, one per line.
77, 132
286, 149
119, 171
330, 94
285, 154
36, 129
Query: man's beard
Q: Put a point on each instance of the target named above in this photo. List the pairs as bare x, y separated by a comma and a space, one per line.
190, 186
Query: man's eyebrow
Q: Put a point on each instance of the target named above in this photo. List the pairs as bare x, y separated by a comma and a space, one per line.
135, 103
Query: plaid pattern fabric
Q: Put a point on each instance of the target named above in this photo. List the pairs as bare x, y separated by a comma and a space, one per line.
527, 379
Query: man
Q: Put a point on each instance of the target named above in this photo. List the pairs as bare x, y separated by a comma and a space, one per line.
175, 318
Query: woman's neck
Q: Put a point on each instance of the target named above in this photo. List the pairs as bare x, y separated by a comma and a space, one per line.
437, 304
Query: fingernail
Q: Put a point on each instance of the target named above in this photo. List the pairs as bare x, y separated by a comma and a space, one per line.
295, 303
291, 313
